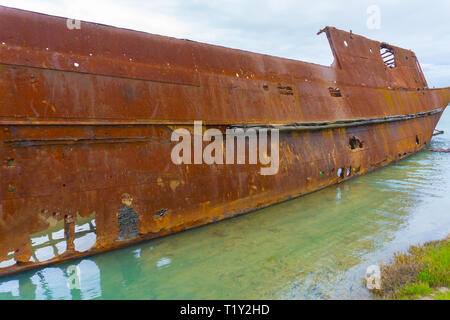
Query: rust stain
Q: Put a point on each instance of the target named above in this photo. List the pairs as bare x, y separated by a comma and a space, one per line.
86, 122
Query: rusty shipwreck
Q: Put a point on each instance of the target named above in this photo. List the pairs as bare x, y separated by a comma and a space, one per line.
87, 112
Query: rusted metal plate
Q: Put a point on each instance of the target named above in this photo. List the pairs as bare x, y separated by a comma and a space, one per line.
86, 118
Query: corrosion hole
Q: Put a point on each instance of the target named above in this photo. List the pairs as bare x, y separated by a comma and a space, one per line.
322, 173
265, 86
417, 140
335, 92
69, 231
286, 90
349, 171
345, 43
387, 54
161, 213
340, 173
9, 162
11, 188
355, 143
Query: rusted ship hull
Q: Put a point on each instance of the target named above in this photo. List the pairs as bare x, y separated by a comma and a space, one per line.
87, 112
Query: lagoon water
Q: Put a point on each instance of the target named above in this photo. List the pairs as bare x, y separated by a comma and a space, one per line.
314, 247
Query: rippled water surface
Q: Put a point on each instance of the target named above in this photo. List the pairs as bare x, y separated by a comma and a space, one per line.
314, 247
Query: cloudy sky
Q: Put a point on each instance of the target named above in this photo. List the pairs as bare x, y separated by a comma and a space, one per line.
285, 28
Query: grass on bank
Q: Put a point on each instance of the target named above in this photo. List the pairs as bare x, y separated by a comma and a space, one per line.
422, 272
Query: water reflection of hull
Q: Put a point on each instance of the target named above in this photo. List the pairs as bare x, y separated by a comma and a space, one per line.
78, 281
86, 134
48, 244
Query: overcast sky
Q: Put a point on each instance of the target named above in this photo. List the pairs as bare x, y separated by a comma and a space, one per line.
284, 28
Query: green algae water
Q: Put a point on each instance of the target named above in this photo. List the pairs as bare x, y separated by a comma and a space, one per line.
314, 247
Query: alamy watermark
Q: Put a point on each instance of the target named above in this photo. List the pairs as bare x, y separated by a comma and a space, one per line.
374, 19
73, 280
233, 142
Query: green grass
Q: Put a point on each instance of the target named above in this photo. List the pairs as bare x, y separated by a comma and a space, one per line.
418, 273
437, 262
442, 296
415, 290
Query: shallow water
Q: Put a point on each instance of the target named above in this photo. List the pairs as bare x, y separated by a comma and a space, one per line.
314, 247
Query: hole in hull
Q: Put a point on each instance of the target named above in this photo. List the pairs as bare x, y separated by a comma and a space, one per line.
355, 143
388, 56
335, 92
